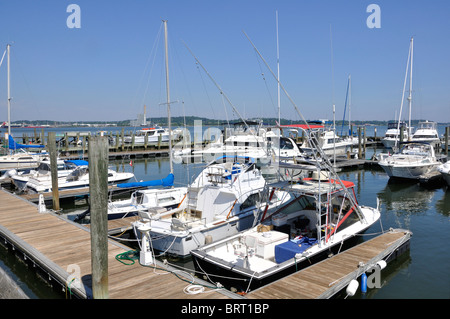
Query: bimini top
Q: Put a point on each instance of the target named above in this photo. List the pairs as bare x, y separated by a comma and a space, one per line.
167, 181
311, 186
77, 162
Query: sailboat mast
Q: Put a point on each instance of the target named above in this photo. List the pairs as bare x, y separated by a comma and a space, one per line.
410, 91
9, 90
350, 133
278, 75
168, 95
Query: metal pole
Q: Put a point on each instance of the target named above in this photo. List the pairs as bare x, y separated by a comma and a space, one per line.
51, 145
8, 46
168, 95
98, 190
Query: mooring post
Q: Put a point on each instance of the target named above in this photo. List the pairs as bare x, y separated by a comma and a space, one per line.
359, 142
51, 145
98, 190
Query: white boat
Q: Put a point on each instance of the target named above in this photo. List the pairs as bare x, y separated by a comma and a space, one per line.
411, 161
153, 135
322, 216
391, 138
249, 138
20, 160
78, 178
20, 178
329, 142
224, 199
444, 169
427, 132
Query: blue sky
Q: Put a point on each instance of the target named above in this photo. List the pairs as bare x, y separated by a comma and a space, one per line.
101, 71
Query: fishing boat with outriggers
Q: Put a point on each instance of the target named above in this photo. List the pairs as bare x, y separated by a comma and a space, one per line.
323, 215
223, 200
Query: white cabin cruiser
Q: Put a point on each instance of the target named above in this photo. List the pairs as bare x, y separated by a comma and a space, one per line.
411, 161
223, 200
250, 139
444, 169
427, 132
329, 142
392, 138
153, 135
78, 178
322, 216
20, 179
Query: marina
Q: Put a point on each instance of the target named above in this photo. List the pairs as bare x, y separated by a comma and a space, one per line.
222, 198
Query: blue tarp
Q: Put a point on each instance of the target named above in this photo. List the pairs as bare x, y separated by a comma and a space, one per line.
77, 162
13, 145
167, 181
287, 250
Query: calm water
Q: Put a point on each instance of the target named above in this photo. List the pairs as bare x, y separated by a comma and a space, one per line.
421, 273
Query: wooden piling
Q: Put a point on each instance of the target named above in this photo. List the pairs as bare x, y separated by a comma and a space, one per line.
359, 142
98, 189
51, 145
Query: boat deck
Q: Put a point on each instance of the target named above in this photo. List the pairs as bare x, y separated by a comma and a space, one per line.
58, 246
324, 279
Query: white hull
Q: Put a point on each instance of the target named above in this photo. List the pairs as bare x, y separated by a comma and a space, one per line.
412, 161
43, 185
410, 172
180, 243
253, 254
145, 200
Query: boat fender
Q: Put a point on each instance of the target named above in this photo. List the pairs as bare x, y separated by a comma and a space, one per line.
382, 264
363, 283
352, 287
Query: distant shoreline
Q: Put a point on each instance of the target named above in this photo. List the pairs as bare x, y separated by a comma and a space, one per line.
181, 121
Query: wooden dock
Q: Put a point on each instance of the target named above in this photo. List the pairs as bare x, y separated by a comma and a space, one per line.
62, 250
328, 277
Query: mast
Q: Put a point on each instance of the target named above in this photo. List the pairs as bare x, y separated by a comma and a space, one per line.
168, 95
278, 69
350, 133
9, 90
410, 91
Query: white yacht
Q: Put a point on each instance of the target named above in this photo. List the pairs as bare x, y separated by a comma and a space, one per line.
427, 132
224, 199
321, 216
20, 178
329, 142
411, 161
392, 138
152, 134
250, 139
78, 178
